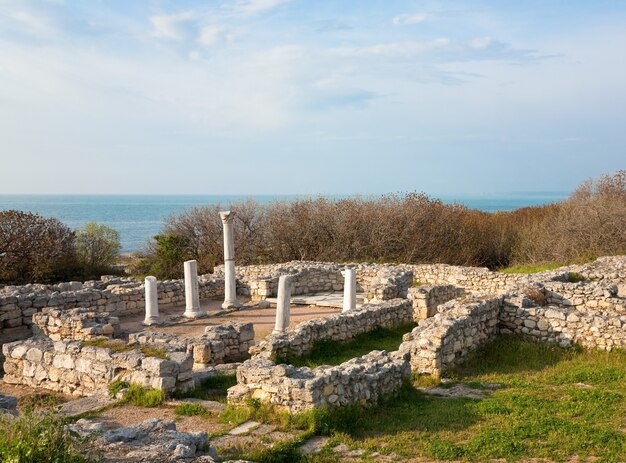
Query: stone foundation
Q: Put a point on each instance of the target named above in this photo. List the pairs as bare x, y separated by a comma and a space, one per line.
336, 327
363, 380
426, 299
72, 368
75, 324
225, 343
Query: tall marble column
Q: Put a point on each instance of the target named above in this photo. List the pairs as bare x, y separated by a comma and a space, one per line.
283, 306
152, 302
230, 289
192, 295
349, 289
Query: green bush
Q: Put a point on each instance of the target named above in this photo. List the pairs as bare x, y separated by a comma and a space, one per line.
36, 438
190, 409
98, 248
144, 397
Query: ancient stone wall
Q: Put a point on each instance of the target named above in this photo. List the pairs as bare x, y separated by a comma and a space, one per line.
363, 380
118, 296
444, 340
75, 324
426, 299
336, 327
73, 368
225, 343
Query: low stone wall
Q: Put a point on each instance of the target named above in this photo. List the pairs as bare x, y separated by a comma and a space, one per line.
117, 296
444, 340
72, 368
75, 324
563, 325
426, 299
586, 296
363, 380
225, 343
336, 327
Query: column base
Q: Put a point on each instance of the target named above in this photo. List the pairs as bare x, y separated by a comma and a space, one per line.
231, 305
277, 333
152, 321
198, 314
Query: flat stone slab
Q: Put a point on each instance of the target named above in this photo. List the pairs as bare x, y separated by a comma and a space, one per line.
326, 299
461, 391
244, 428
314, 445
84, 405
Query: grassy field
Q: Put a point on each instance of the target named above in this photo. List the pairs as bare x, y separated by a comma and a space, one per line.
532, 268
552, 404
334, 353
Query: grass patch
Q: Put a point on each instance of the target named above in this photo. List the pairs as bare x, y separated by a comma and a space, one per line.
575, 277
144, 397
39, 401
117, 386
40, 438
211, 388
554, 404
334, 352
533, 268
118, 346
190, 409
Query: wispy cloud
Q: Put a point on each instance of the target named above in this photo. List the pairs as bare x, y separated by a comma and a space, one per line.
409, 19
171, 26
251, 7
392, 49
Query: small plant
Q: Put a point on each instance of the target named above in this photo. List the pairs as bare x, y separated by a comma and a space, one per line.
144, 397
425, 381
117, 386
575, 277
119, 346
190, 409
40, 438
537, 295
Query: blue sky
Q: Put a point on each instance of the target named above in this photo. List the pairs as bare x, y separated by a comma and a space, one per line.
294, 96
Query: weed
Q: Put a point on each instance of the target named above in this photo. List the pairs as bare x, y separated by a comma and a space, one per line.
144, 397
190, 409
39, 401
574, 277
117, 386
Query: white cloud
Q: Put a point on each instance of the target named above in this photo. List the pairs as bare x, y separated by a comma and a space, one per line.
210, 35
481, 42
33, 23
171, 26
393, 49
408, 19
250, 7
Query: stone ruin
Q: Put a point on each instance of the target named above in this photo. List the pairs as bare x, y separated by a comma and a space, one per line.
457, 309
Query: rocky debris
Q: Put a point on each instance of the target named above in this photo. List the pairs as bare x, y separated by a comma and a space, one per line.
8, 404
462, 390
314, 445
150, 441
244, 428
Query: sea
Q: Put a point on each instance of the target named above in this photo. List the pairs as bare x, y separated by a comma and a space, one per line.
138, 218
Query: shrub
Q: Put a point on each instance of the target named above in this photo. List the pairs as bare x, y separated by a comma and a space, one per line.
35, 249
37, 438
144, 397
190, 409
98, 248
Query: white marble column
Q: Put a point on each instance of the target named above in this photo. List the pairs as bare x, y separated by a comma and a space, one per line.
152, 302
349, 289
230, 282
283, 306
192, 295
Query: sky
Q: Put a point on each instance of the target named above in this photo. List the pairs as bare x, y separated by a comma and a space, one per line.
310, 96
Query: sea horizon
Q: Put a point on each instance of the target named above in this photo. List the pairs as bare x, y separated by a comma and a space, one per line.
138, 217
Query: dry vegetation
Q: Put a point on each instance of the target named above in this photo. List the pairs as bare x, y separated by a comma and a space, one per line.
410, 228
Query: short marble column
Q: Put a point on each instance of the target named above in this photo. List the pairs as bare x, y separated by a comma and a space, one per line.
230, 283
283, 306
152, 302
192, 296
349, 289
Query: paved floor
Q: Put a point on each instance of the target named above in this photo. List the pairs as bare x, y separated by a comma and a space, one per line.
326, 299
263, 319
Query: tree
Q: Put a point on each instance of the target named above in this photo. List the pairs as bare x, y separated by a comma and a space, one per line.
97, 247
35, 249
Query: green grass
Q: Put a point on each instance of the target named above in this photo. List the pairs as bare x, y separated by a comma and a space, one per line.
117, 386
40, 438
118, 346
190, 409
211, 388
334, 352
532, 268
553, 404
143, 397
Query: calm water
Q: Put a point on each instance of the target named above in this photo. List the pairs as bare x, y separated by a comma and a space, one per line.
138, 218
